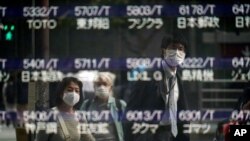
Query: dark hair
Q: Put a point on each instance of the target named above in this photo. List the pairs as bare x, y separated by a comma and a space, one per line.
62, 86
175, 37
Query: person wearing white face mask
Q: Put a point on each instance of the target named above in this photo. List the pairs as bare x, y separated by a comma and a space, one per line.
68, 95
105, 102
166, 95
174, 55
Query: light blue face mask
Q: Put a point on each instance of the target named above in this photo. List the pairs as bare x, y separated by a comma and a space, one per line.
174, 57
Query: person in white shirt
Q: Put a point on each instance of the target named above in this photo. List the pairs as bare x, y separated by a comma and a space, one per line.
68, 95
166, 95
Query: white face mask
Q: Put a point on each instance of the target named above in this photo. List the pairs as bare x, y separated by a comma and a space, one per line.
71, 98
174, 57
102, 91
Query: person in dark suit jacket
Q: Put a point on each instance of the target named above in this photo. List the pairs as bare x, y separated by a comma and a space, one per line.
166, 95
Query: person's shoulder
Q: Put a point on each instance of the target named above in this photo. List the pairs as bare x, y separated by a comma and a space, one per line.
54, 109
122, 102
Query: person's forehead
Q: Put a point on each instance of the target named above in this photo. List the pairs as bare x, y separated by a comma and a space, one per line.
176, 45
103, 80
